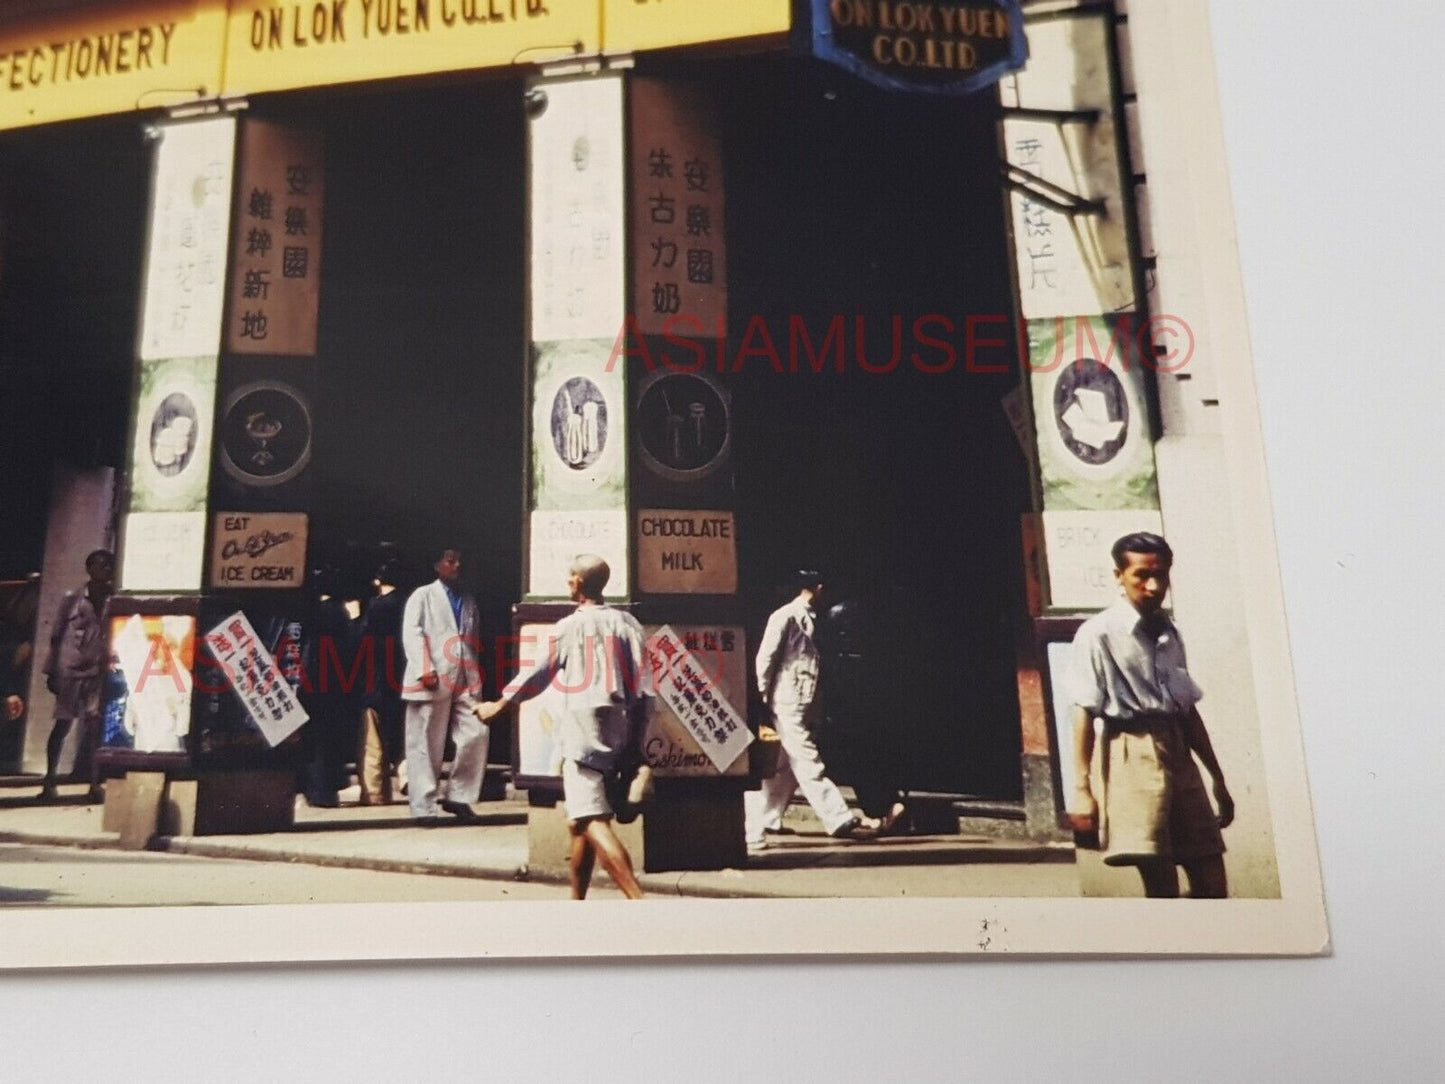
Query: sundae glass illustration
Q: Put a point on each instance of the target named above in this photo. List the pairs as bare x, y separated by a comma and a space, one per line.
261, 428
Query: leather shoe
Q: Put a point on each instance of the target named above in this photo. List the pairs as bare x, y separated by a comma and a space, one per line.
461, 811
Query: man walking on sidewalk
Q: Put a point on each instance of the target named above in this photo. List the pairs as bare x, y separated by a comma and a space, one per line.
440, 634
1137, 781
787, 672
597, 660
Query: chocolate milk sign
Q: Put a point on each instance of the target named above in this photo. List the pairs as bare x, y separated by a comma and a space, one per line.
928, 48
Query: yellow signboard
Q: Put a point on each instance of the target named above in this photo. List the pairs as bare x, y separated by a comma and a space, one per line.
117, 56
634, 25
285, 44
110, 58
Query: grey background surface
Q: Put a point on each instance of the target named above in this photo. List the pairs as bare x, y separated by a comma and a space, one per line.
1332, 113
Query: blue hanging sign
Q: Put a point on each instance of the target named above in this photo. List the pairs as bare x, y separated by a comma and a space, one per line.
921, 47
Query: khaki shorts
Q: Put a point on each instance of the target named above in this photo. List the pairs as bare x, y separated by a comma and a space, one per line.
1152, 801
583, 792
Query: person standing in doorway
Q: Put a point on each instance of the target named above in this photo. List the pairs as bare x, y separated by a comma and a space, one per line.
74, 668
439, 631
787, 674
382, 728
597, 656
1135, 780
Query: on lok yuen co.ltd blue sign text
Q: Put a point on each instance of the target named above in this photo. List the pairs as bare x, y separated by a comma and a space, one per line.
922, 47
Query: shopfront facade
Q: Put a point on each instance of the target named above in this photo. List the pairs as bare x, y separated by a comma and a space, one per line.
713, 290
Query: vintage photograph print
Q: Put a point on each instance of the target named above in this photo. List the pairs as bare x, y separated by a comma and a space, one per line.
785, 474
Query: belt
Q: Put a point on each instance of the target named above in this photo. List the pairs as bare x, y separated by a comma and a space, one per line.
1142, 724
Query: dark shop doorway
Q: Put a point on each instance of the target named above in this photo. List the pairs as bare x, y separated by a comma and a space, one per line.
905, 486
72, 225
419, 420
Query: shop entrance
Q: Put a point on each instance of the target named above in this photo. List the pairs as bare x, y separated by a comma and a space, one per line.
420, 373
906, 486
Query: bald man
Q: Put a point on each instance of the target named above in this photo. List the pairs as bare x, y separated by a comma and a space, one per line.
596, 660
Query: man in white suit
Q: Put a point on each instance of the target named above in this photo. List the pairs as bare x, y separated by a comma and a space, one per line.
440, 632
787, 671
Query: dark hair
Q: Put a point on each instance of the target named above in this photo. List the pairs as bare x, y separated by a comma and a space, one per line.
98, 555
1141, 542
806, 577
436, 553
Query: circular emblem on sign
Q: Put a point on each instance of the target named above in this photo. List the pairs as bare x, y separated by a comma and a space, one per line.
579, 422
174, 429
683, 425
1091, 409
265, 434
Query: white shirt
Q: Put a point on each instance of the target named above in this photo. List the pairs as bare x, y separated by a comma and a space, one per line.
1121, 670
594, 663
787, 662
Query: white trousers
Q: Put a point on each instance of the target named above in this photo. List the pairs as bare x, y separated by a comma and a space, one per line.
799, 768
427, 722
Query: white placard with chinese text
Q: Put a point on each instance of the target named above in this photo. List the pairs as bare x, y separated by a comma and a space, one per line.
256, 679
190, 217
577, 196
696, 699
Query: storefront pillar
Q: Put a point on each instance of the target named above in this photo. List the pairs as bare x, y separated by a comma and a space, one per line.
214, 524
629, 444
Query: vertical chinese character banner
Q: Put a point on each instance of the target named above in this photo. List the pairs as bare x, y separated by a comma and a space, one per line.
172, 417
682, 418
679, 248
1087, 382
577, 492
276, 242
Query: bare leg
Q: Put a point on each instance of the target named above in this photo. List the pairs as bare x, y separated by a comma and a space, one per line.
579, 863
1161, 880
615, 859
1207, 880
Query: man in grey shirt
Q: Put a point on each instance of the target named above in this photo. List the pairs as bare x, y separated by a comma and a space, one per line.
74, 669
597, 661
1137, 782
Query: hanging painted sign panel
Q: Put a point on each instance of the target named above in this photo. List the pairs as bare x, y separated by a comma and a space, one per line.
273, 45
577, 210
684, 425
679, 239
148, 695
719, 655
1068, 263
276, 246
186, 258
1077, 548
252, 674
170, 459
556, 539
258, 549
162, 551
697, 701
113, 57
1095, 447
579, 442
265, 433
538, 753
925, 48
686, 552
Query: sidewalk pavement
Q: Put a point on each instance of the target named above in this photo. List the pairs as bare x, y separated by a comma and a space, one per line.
805, 864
